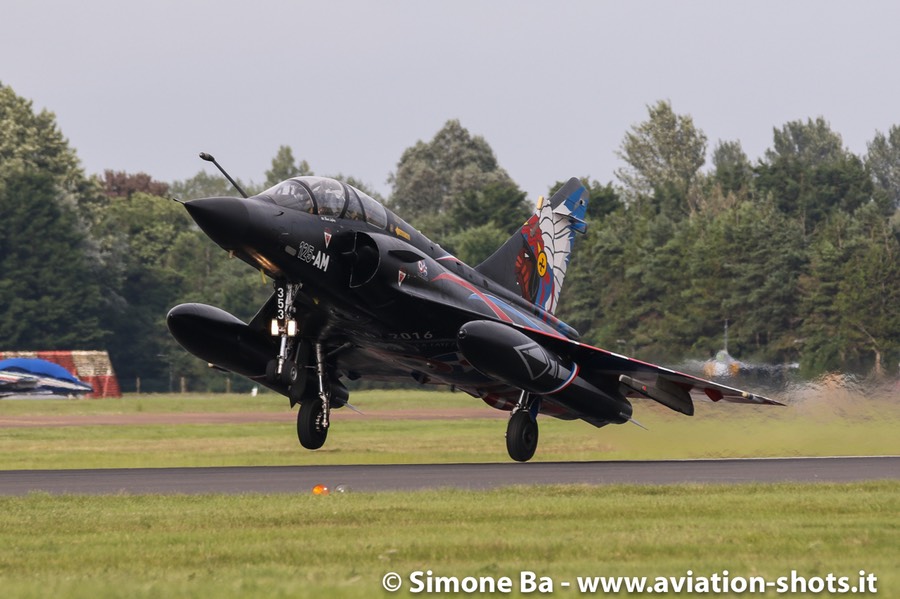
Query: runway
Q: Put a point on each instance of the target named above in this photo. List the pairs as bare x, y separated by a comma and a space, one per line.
301, 479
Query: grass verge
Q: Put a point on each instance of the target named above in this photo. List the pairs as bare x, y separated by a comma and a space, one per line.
855, 426
342, 545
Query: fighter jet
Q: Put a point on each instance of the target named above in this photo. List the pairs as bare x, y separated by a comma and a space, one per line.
360, 293
726, 368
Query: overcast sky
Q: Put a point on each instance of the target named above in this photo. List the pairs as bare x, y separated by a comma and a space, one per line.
552, 86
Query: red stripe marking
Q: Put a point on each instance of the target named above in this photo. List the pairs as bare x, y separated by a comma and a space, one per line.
494, 307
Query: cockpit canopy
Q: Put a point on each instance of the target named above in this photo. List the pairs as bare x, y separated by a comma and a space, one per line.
327, 197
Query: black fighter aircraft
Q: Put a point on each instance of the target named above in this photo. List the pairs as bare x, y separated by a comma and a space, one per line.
358, 292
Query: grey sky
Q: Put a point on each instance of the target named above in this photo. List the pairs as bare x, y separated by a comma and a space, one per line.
552, 86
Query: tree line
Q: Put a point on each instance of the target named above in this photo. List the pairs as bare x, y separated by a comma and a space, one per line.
797, 251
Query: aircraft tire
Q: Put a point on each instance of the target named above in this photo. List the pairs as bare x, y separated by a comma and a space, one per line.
309, 430
272, 371
521, 436
297, 391
289, 373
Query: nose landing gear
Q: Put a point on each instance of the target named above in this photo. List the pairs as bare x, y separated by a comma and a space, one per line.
283, 325
313, 418
292, 368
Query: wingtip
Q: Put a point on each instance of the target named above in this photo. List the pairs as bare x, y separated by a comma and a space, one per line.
761, 400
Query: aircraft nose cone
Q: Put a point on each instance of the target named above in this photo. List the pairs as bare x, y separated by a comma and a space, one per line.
225, 220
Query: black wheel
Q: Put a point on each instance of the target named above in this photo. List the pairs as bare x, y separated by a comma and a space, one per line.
297, 392
272, 371
310, 418
297, 374
289, 373
521, 436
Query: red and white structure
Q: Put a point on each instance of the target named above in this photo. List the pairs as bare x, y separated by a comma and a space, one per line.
92, 367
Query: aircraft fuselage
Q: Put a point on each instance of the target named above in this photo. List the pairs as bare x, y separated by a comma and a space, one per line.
396, 298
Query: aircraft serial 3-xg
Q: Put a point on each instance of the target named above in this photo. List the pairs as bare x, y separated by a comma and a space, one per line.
358, 292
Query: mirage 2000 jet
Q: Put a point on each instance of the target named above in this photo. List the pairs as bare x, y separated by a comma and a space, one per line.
359, 293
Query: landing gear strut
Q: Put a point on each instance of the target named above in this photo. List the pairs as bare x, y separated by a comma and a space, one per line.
522, 429
289, 366
284, 326
315, 410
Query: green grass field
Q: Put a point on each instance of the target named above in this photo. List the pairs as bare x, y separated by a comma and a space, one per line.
341, 545
836, 425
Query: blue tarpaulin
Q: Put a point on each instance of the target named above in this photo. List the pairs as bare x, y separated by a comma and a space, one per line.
37, 367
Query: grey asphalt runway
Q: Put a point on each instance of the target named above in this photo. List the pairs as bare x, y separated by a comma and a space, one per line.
301, 479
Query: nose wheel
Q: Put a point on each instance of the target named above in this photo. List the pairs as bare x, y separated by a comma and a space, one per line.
313, 418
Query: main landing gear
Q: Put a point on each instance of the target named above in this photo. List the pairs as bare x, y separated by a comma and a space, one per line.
312, 427
522, 428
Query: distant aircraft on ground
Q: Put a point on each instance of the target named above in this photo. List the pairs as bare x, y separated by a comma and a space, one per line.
358, 292
32, 377
725, 366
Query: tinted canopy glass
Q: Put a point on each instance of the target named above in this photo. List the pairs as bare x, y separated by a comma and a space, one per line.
291, 194
327, 197
330, 195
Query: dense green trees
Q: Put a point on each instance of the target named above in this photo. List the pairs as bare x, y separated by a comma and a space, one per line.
48, 293
663, 157
852, 295
883, 159
285, 166
799, 251
453, 190
32, 142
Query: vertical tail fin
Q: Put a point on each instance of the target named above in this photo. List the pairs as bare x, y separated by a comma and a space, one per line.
533, 261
